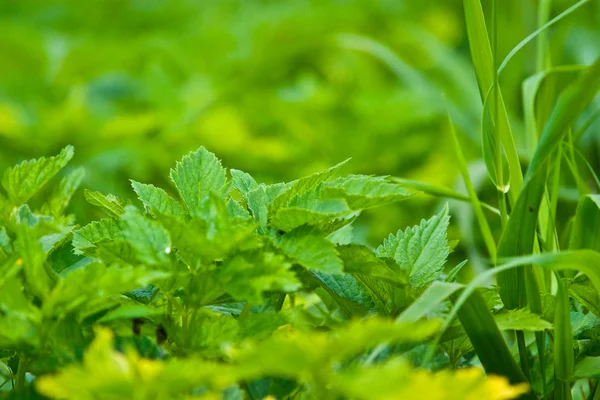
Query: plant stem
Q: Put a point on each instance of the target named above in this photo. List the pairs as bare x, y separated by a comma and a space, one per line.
20, 377
523, 354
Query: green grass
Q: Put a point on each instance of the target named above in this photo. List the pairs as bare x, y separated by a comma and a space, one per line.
300, 278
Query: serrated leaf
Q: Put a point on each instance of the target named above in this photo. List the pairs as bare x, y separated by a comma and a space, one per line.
112, 206
242, 181
62, 193
156, 200
309, 248
363, 191
149, 239
89, 235
307, 209
259, 200
197, 175
420, 251
361, 260
345, 288
25, 179
521, 319
303, 185
246, 276
87, 288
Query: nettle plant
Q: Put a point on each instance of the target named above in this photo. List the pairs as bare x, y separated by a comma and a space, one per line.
234, 290
240, 290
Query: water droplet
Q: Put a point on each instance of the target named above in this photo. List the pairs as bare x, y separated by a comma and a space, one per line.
168, 250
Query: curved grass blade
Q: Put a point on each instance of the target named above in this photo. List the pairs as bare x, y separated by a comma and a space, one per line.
518, 237
489, 147
483, 61
541, 29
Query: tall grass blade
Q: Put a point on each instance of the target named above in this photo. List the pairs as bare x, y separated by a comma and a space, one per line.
483, 61
541, 29
518, 238
563, 345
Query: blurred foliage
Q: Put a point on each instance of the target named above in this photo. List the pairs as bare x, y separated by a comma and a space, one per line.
276, 88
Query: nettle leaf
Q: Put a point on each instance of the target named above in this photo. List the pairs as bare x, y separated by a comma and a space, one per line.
149, 239
62, 193
308, 247
86, 238
112, 206
420, 251
345, 289
361, 260
88, 287
363, 191
156, 200
242, 181
303, 185
39, 278
108, 373
521, 319
196, 176
259, 200
307, 209
246, 276
27, 178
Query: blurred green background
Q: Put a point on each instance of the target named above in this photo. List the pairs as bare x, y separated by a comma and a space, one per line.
278, 88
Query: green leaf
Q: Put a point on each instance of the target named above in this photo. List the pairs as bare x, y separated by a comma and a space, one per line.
62, 193
86, 238
149, 239
130, 311
308, 208
157, 200
346, 289
27, 178
112, 206
420, 251
308, 247
242, 181
428, 301
362, 191
585, 233
197, 175
522, 320
246, 276
518, 237
259, 200
587, 368
301, 186
360, 260
500, 179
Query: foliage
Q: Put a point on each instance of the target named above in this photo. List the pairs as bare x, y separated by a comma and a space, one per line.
218, 283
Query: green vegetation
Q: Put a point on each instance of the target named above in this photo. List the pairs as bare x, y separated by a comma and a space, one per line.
120, 281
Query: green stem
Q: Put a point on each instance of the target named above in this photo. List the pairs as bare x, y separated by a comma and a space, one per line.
20, 377
184, 325
523, 354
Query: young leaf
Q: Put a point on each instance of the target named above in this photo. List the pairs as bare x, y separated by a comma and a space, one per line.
522, 320
362, 191
150, 240
197, 175
309, 248
109, 203
25, 179
246, 276
62, 193
157, 200
420, 251
301, 186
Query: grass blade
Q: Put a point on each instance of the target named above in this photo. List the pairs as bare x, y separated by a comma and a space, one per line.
518, 238
541, 29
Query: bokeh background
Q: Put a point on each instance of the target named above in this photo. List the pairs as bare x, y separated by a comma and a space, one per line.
278, 88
